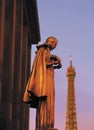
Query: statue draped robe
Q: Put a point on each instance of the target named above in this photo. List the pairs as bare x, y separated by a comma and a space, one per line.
41, 84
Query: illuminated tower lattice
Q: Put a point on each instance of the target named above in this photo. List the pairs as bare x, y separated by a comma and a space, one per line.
71, 121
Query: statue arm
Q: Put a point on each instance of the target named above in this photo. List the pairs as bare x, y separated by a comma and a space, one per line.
54, 61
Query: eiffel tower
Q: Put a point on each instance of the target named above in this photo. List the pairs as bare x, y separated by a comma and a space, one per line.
71, 121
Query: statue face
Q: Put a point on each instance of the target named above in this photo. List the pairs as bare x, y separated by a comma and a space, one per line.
53, 45
52, 42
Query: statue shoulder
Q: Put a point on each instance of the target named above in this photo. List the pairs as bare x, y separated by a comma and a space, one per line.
45, 46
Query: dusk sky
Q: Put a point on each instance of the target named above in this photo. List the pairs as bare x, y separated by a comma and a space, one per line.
72, 22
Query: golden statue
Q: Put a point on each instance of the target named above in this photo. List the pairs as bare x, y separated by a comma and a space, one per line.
40, 91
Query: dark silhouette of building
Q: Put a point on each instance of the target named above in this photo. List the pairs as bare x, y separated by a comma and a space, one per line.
19, 29
71, 121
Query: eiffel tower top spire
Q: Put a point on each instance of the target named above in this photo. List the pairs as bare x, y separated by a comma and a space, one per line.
71, 61
71, 69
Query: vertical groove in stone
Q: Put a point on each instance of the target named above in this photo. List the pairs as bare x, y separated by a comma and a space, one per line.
21, 46
17, 67
13, 45
27, 72
2, 19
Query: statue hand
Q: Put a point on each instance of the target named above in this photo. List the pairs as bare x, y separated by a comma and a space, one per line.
57, 66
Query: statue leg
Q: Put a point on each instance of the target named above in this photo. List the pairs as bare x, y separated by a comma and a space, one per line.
41, 116
45, 114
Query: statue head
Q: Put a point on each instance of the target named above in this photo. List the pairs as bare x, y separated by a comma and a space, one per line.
52, 42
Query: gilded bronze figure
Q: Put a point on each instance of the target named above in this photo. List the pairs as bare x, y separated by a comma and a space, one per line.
40, 91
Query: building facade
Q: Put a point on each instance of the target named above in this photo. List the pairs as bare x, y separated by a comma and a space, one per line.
19, 29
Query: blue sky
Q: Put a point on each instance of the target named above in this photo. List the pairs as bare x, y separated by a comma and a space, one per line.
72, 22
